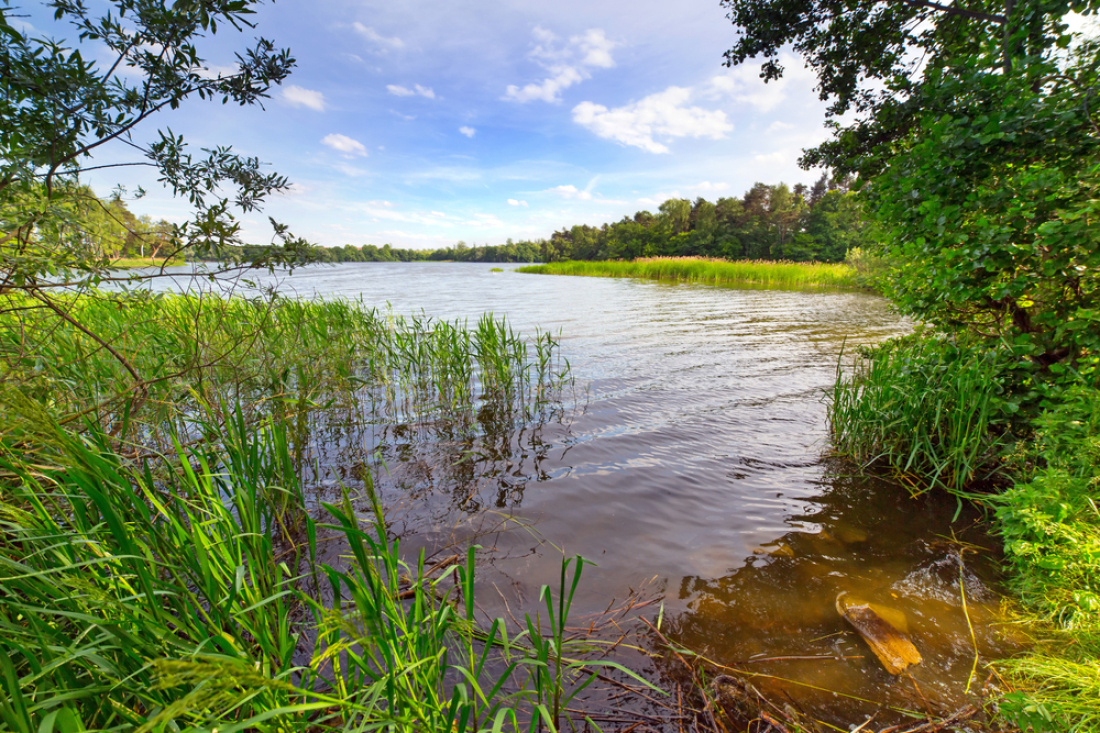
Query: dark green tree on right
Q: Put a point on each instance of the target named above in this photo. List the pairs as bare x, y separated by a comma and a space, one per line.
975, 142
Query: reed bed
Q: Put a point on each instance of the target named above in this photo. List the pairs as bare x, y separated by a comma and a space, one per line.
159, 564
172, 356
742, 273
924, 407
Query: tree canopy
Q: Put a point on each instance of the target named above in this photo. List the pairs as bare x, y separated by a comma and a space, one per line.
975, 139
59, 108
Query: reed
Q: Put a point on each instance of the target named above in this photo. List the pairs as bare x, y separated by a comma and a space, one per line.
143, 599
158, 550
743, 273
925, 407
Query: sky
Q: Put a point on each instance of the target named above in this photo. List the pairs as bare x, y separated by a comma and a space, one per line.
423, 124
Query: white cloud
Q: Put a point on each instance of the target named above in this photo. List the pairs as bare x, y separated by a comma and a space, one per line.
571, 192
664, 114
514, 202
297, 96
467, 131
743, 84
485, 221
417, 90
344, 144
596, 48
567, 64
351, 171
779, 126
777, 158
377, 38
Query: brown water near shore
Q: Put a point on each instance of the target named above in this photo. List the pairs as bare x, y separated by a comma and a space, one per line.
689, 459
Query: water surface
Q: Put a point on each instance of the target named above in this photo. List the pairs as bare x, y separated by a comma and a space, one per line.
690, 462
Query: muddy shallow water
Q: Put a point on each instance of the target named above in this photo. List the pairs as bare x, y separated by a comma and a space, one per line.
689, 460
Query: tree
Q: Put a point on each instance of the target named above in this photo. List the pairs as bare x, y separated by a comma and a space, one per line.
975, 147
58, 109
881, 58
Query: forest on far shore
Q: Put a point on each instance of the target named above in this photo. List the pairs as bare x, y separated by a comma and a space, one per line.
818, 223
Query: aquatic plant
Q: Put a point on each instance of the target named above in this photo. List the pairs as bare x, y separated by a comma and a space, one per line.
755, 273
186, 594
926, 408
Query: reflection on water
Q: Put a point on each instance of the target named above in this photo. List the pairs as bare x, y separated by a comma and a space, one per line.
686, 459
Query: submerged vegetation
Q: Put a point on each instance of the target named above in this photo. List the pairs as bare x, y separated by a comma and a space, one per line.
791, 275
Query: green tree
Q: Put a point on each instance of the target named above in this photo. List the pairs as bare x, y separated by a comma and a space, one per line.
58, 109
976, 145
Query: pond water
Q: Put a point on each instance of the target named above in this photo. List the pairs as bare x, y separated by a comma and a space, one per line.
690, 461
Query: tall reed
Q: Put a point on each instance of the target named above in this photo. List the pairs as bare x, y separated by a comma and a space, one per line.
925, 407
743, 273
150, 598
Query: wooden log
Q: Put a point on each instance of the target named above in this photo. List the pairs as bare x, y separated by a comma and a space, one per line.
890, 644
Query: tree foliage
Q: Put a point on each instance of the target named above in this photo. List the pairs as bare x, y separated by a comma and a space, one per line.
975, 140
58, 109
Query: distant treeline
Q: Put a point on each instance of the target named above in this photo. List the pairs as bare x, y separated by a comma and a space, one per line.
819, 223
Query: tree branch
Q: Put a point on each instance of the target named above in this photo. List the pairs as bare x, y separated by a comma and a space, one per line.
952, 10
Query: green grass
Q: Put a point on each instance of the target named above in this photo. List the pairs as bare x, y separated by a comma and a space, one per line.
139, 598
925, 408
759, 273
128, 263
158, 551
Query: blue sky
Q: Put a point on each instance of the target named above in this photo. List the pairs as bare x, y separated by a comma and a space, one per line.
423, 124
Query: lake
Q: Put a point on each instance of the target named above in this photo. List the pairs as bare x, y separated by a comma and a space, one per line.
689, 459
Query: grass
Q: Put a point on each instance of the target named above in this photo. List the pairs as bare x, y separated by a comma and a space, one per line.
937, 414
924, 407
135, 599
757, 273
128, 263
158, 550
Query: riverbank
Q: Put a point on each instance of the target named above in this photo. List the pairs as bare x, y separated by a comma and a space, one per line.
941, 414
741, 273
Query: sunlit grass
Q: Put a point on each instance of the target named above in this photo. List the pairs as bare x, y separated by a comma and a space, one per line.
158, 550
755, 273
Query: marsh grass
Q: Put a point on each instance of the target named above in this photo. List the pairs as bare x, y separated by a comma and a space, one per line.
173, 356
927, 408
756, 273
159, 553
135, 599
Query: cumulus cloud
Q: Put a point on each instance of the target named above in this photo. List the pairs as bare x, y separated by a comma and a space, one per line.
571, 192
347, 145
665, 114
297, 96
417, 90
467, 131
566, 64
743, 84
383, 42
515, 202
